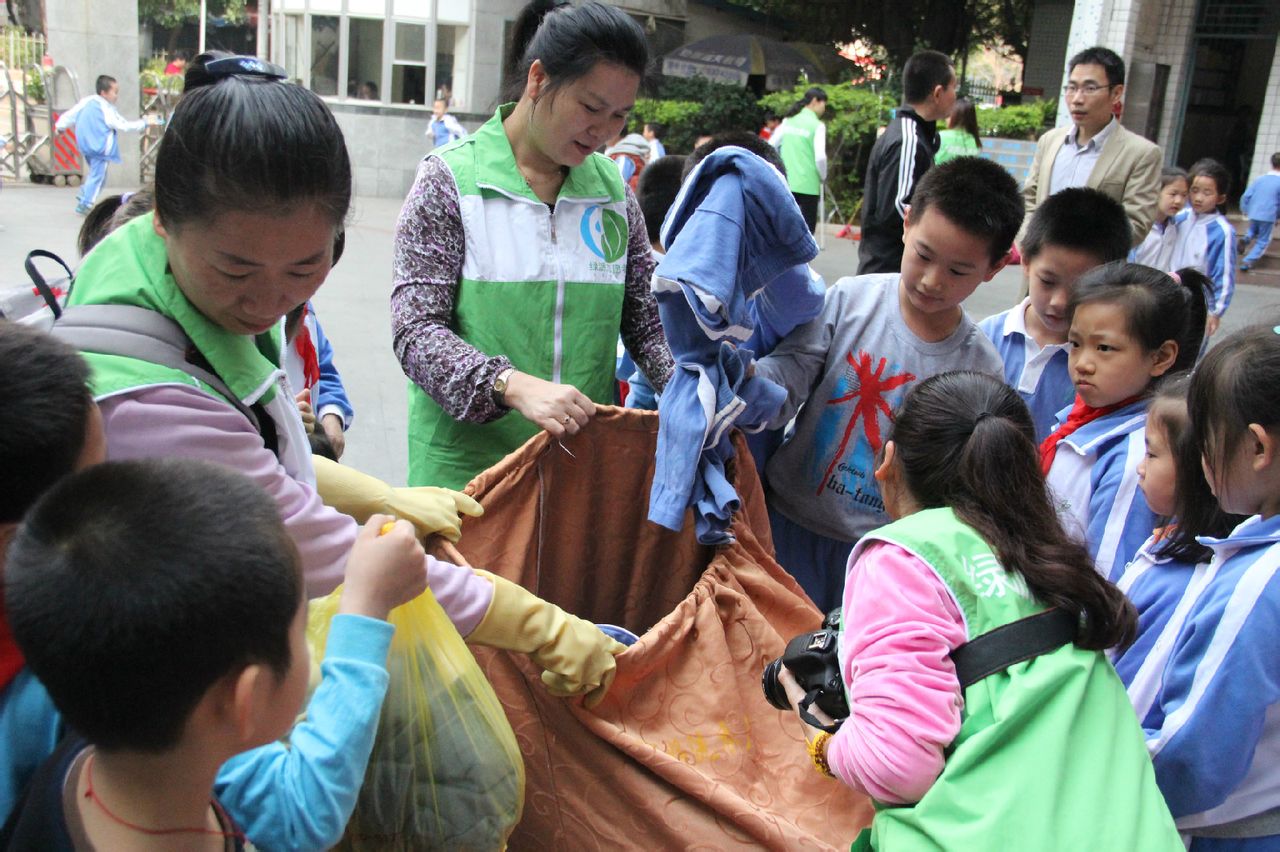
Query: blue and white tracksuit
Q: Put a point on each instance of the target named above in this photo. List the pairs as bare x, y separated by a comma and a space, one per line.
1094, 483
732, 231
1216, 749
1039, 375
1159, 248
1208, 243
1163, 591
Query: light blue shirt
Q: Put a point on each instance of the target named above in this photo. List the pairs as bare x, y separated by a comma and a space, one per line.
1038, 374
1072, 166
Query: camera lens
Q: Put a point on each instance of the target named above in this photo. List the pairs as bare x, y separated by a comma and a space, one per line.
773, 691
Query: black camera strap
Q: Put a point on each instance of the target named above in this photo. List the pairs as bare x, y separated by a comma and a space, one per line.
809, 718
1015, 642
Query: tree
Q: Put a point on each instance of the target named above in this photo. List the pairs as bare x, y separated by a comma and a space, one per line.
172, 14
907, 25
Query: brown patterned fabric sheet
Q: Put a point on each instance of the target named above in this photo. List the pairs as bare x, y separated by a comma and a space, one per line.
684, 753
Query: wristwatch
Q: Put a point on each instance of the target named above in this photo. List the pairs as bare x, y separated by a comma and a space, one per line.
500, 385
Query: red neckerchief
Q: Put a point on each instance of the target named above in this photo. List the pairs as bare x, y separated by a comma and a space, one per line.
307, 351
11, 660
1079, 416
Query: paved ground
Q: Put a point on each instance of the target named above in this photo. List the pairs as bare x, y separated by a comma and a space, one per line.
353, 305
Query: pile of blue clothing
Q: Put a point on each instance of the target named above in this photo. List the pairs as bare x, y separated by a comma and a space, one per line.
735, 275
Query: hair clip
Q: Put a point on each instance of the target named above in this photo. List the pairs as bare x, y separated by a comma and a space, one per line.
243, 66
1176, 277
124, 199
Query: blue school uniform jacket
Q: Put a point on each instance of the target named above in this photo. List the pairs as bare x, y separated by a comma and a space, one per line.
1163, 591
1094, 480
1208, 243
1040, 376
1215, 750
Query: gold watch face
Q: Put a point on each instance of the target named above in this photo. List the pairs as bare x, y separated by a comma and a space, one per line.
499, 386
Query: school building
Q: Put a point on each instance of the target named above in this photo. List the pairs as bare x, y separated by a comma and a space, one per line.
1203, 76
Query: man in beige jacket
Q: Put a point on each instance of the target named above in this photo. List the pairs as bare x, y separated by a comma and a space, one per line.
1096, 150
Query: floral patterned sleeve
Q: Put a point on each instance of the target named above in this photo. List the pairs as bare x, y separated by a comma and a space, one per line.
642, 332
428, 263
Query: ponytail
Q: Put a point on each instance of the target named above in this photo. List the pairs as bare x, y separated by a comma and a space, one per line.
570, 41
966, 441
814, 93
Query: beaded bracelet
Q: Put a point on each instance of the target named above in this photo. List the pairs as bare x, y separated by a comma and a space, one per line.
818, 754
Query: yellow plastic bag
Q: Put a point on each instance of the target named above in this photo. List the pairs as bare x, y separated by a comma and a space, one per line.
445, 772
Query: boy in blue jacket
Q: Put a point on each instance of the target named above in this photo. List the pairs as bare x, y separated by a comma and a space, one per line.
1261, 203
97, 121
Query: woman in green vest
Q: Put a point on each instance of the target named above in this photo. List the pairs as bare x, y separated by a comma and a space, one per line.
961, 138
801, 139
1043, 754
521, 255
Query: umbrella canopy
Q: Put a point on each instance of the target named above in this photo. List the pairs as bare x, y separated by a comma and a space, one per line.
733, 58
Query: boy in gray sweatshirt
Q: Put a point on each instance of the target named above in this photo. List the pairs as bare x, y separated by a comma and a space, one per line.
847, 370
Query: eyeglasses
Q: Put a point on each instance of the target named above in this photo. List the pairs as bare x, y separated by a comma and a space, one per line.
1090, 89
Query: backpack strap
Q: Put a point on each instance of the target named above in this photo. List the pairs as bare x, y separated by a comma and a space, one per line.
1015, 642
134, 332
42, 286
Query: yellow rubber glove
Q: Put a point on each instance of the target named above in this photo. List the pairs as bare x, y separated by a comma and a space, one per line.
576, 655
430, 510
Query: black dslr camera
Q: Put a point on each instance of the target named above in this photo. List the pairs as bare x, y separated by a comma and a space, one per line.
813, 659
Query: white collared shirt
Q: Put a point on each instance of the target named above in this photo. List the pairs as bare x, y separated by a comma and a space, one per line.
1074, 162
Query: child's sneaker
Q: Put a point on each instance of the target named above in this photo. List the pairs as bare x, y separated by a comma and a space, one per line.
83, 209
1244, 267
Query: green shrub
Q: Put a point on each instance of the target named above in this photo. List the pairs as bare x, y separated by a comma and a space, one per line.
1022, 121
689, 106
852, 117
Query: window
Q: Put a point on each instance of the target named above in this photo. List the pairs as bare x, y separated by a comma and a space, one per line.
409, 68
364, 59
324, 54
445, 37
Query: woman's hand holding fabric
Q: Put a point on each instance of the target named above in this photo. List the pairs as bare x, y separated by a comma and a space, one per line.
559, 409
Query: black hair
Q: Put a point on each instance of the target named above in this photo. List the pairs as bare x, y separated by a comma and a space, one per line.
1110, 61
924, 72
964, 115
248, 143
1275, 160
1215, 171
977, 196
103, 83
1080, 219
321, 445
965, 440
657, 190
1157, 307
1196, 511
1171, 173
659, 129
182, 53
44, 420
110, 213
813, 93
1234, 386
570, 41
740, 139
133, 587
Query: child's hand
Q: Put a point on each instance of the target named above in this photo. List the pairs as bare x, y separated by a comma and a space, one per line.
1211, 324
384, 570
303, 401
332, 426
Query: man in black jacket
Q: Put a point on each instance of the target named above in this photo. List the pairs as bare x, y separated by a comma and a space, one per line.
901, 156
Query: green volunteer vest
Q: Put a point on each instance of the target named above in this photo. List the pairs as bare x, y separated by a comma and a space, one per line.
797, 152
131, 267
544, 288
1049, 754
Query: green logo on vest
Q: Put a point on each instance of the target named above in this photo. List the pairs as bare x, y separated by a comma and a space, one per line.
604, 232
